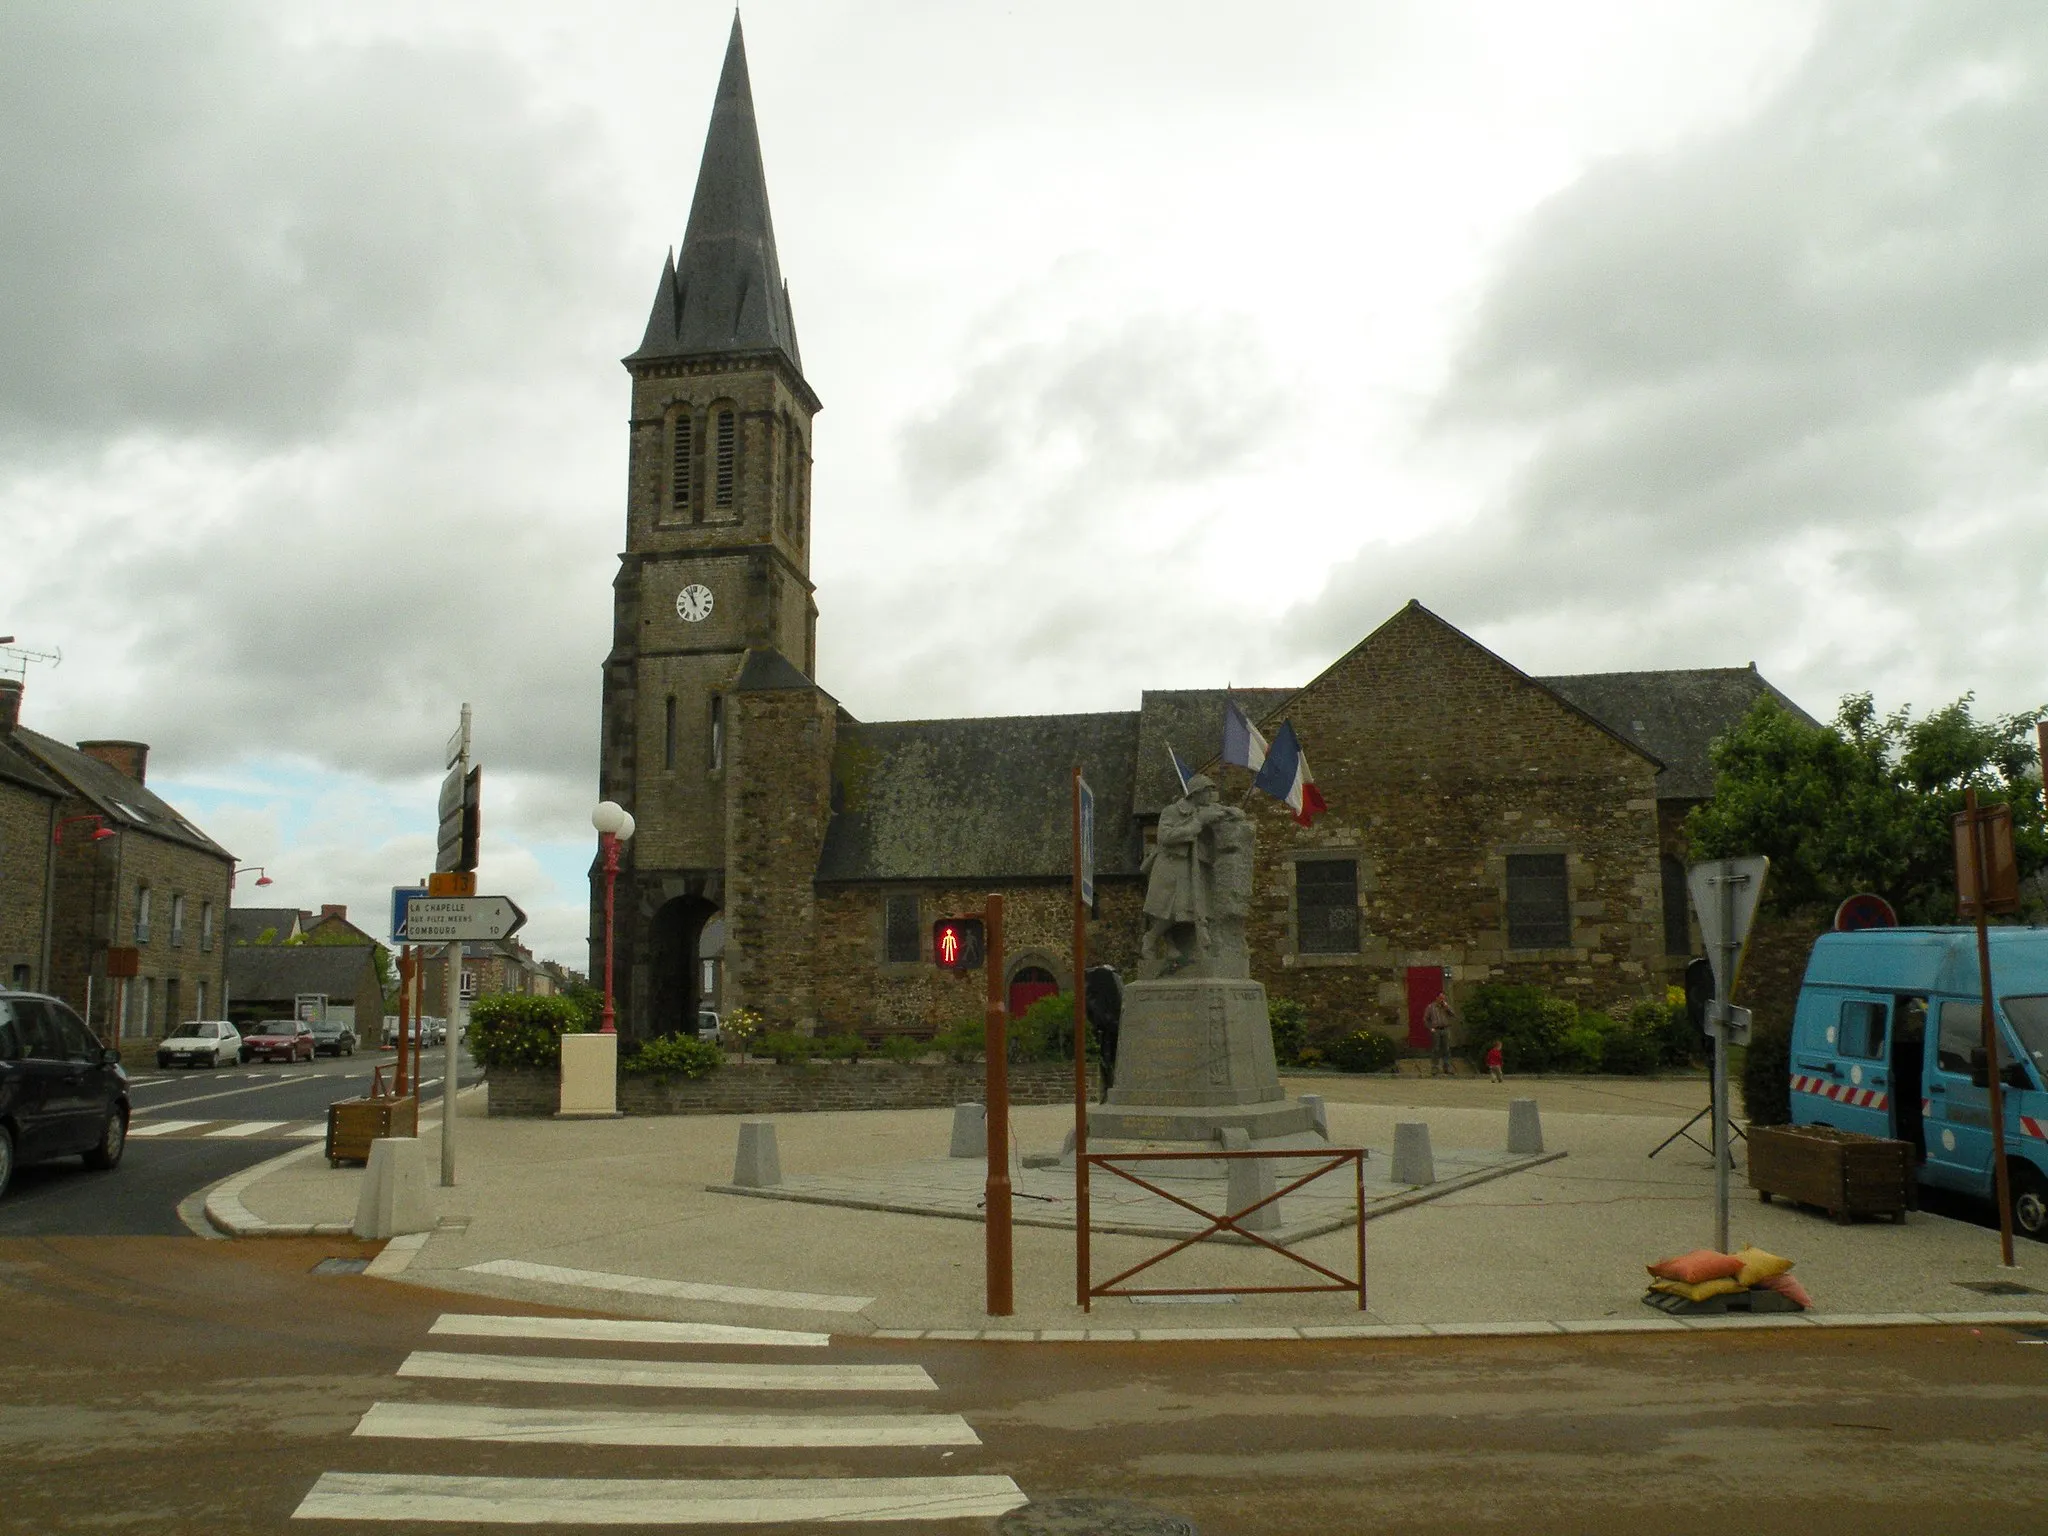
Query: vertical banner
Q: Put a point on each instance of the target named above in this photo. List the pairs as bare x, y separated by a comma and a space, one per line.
1085, 853
1084, 896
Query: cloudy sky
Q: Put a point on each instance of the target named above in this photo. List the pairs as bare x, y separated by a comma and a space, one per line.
1161, 344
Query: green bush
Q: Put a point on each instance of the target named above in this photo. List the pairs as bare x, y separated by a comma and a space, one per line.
1670, 1027
1530, 1024
1364, 1050
509, 1029
1766, 1074
675, 1056
902, 1048
1288, 1020
962, 1040
1045, 1030
1630, 1052
786, 1047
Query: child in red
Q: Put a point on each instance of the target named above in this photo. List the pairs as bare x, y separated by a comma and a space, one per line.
1493, 1061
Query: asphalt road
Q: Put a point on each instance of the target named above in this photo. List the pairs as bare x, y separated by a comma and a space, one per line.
232, 1119
158, 1384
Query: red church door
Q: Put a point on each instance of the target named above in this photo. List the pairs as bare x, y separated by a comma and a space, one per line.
1426, 983
1028, 986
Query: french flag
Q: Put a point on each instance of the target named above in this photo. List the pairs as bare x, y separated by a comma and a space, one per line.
1242, 743
1285, 776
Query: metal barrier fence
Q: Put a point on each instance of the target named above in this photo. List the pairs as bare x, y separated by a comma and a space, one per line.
1330, 1159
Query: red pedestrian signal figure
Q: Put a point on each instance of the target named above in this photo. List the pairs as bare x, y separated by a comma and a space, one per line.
958, 943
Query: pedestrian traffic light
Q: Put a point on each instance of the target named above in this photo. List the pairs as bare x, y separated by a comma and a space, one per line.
958, 943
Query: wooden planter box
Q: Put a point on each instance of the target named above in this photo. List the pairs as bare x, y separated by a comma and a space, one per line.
352, 1124
1845, 1174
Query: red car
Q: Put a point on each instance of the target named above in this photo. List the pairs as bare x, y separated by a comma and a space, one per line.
278, 1040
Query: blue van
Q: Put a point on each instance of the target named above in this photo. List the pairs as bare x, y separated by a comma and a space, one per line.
1888, 1039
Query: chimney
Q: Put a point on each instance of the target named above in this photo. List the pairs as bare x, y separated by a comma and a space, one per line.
331, 909
10, 705
124, 757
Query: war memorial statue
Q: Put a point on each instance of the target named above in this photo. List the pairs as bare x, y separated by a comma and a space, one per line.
1195, 1053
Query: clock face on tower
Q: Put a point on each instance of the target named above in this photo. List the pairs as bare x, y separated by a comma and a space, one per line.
693, 603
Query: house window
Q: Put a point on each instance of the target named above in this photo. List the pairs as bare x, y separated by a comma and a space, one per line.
717, 732
900, 938
142, 914
177, 921
1677, 920
171, 1017
1539, 902
199, 999
469, 983
728, 446
1326, 906
680, 446
206, 926
668, 735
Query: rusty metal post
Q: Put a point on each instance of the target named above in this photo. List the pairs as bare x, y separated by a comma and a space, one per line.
1081, 1257
996, 1049
1358, 1176
1980, 860
404, 1014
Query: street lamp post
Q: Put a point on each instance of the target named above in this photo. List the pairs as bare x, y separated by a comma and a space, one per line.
614, 825
262, 876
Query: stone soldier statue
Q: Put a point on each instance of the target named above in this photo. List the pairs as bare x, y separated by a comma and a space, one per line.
1181, 895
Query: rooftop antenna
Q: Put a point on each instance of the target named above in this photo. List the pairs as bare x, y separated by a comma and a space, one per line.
15, 659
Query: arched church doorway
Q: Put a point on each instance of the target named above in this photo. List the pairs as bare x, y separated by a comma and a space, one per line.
1028, 983
674, 966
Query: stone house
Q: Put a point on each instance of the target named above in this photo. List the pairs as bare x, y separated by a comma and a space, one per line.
265, 981
140, 893
29, 810
1483, 824
264, 925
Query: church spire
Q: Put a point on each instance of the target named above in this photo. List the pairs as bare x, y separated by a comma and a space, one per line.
725, 292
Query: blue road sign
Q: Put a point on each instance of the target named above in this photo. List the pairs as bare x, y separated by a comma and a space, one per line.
401, 898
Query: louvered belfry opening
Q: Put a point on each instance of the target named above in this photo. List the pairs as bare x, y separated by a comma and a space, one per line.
680, 463
728, 454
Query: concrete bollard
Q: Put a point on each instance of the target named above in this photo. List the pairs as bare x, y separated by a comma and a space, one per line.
1248, 1181
1413, 1161
1320, 1111
970, 1131
759, 1164
393, 1200
1525, 1129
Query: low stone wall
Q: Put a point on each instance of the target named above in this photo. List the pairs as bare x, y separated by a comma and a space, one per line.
763, 1088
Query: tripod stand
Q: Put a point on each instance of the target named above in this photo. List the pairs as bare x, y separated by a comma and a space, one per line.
1685, 1130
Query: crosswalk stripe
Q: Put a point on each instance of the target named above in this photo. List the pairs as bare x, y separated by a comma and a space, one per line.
161, 1127
481, 1325
648, 1501
573, 1371
686, 1290
306, 1132
568, 1426
246, 1128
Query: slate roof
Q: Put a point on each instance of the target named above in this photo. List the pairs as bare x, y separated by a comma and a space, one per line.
726, 293
1190, 720
20, 769
767, 670
246, 923
1674, 716
127, 804
986, 799
264, 973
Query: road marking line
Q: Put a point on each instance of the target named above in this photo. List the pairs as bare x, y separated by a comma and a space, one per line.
162, 1127
307, 1132
703, 1375
569, 1426
650, 1501
246, 1128
686, 1290
486, 1325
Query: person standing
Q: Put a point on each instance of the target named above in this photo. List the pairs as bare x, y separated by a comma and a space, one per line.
1493, 1061
1438, 1018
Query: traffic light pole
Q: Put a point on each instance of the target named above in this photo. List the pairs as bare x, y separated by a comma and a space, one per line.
997, 1192
1081, 1260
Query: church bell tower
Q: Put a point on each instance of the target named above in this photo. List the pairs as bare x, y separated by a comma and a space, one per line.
714, 580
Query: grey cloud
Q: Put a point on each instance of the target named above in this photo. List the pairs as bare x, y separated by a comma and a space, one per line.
206, 228
1769, 365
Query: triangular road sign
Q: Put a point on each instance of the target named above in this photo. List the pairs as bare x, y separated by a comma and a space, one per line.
1724, 923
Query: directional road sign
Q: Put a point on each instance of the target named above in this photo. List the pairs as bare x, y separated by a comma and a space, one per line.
444, 919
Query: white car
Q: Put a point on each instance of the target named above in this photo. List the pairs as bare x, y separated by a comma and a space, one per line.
201, 1043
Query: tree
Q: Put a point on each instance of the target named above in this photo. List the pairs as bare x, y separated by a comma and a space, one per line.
1865, 804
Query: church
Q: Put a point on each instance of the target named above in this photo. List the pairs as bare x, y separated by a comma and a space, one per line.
1481, 825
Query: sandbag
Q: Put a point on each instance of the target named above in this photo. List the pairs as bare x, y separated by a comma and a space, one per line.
1694, 1268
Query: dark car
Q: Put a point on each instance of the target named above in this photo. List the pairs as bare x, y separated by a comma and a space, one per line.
62, 1094
334, 1038
278, 1040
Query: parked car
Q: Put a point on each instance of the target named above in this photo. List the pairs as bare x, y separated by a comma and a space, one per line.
334, 1038
710, 1027
62, 1093
279, 1040
202, 1043
1888, 1040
